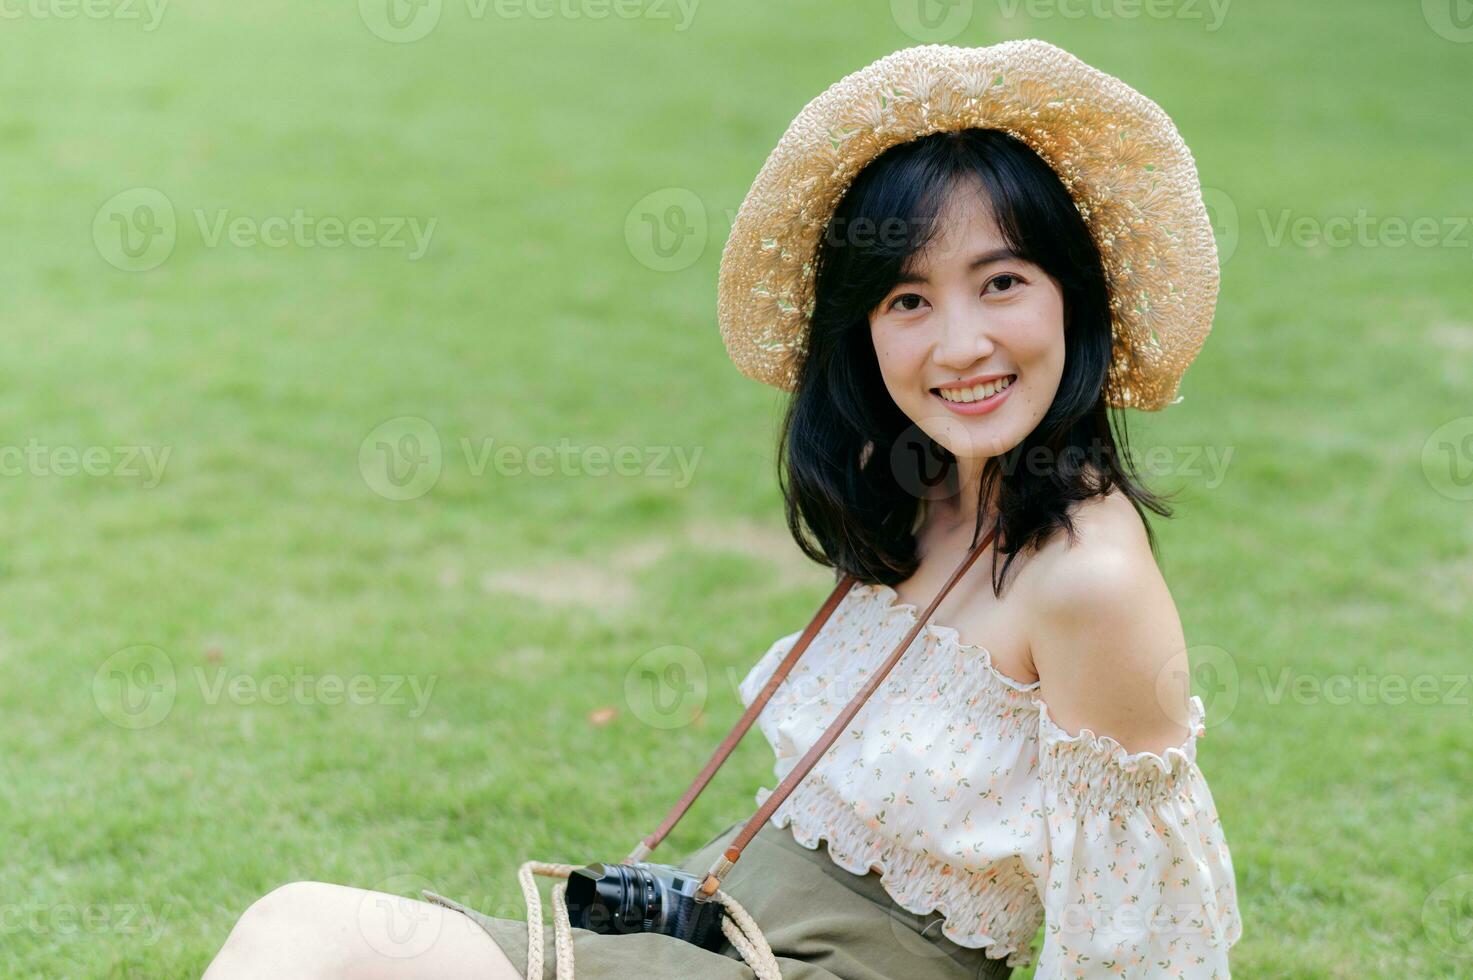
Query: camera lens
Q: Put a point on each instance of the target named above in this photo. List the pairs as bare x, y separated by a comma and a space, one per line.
614, 898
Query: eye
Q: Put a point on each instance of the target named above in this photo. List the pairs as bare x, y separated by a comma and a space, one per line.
904, 303
1009, 277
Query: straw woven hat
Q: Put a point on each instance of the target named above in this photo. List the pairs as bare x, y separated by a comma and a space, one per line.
1132, 178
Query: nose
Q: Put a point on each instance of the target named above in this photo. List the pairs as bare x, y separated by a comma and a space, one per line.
963, 341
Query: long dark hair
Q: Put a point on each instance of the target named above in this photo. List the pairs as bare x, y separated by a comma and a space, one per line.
852, 466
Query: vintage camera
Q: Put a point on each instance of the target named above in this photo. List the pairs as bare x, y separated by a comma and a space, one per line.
643, 897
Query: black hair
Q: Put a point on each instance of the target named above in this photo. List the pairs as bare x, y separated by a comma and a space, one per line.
853, 468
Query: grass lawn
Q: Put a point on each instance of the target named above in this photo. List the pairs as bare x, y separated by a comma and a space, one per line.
342, 521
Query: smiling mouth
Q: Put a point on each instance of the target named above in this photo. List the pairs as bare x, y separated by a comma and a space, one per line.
976, 393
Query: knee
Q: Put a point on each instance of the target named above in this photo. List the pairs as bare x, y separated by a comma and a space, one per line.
290, 904
279, 928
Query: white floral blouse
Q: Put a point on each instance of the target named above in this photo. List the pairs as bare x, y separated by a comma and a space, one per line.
957, 786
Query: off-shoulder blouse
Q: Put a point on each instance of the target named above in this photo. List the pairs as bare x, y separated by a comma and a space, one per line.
954, 783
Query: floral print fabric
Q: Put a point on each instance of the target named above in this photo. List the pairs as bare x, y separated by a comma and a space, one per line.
957, 786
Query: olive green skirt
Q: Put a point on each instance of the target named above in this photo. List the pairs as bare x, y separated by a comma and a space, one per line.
822, 922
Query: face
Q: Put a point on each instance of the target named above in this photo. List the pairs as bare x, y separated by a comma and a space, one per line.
970, 342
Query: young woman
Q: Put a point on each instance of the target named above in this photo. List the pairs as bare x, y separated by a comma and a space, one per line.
959, 261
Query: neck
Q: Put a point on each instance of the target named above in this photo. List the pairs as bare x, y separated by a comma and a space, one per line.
959, 508
969, 484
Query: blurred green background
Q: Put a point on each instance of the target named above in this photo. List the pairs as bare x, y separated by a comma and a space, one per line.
273, 607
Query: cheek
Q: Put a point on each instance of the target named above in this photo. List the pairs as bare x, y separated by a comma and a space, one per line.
900, 354
1040, 340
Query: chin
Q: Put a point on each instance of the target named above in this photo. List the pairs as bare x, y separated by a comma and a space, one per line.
974, 438
984, 448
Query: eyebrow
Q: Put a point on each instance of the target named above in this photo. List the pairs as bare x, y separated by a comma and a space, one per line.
986, 258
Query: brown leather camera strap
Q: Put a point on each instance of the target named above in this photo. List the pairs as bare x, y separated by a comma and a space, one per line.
724, 863
749, 716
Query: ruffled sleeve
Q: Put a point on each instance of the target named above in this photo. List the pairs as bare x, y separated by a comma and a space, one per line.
762, 670
1135, 875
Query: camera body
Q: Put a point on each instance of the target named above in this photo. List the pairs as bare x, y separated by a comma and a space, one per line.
616, 899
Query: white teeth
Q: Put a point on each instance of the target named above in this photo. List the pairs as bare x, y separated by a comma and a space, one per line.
977, 392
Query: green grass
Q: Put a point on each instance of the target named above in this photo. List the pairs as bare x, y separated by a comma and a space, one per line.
263, 553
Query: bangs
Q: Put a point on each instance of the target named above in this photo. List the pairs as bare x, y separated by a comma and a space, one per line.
890, 214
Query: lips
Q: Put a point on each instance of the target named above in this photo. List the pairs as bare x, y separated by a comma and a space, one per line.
977, 391
982, 398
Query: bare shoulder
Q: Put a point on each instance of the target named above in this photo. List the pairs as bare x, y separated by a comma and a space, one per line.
1109, 538
1104, 633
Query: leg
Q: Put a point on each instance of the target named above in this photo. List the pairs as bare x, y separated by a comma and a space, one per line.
308, 929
